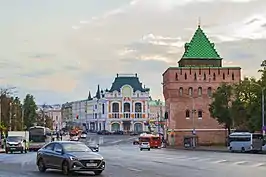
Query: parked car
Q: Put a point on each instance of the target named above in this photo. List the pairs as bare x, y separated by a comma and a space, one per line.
144, 145
94, 147
83, 136
15, 144
118, 132
69, 156
104, 132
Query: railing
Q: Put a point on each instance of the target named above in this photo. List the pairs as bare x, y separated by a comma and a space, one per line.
115, 115
138, 115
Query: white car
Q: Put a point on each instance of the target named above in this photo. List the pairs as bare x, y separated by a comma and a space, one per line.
74, 138
83, 136
144, 145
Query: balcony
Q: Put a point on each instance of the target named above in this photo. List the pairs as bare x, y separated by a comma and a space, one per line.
126, 115
115, 115
138, 115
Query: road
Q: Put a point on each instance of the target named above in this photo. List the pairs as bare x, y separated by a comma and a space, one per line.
125, 160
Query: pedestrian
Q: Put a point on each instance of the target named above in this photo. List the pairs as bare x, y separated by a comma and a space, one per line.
57, 136
61, 136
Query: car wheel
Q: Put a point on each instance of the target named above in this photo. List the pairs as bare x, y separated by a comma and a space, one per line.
141, 149
65, 168
41, 166
98, 172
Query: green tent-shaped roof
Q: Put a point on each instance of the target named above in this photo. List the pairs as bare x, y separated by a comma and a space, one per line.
200, 47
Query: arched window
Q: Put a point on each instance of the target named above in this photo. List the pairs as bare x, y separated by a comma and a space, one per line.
190, 91
187, 114
115, 107
126, 107
209, 91
138, 107
200, 114
180, 91
199, 91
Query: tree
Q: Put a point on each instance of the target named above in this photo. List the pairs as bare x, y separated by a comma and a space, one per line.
29, 109
220, 108
16, 114
48, 122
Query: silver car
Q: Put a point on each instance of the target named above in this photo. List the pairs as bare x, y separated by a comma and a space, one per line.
144, 145
69, 156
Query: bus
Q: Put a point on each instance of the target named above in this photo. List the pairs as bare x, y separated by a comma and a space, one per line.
245, 142
38, 137
154, 140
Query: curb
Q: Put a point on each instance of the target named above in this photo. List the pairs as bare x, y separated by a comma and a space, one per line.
198, 149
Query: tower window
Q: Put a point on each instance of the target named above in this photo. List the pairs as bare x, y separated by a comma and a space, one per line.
214, 76
204, 77
195, 76
199, 91
190, 91
223, 76
176, 76
227, 71
200, 114
233, 76
180, 91
187, 114
189, 70
200, 71
185, 76
209, 91
219, 71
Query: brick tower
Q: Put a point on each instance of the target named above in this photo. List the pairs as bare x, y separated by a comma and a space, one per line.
188, 88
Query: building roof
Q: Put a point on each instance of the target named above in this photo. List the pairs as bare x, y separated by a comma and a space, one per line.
200, 47
127, 79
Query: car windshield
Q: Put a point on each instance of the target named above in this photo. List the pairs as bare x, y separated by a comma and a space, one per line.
76, 147
14, 138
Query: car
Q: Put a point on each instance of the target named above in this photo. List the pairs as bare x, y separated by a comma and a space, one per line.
83, 136
144, 145
136, 142
104, 132
15, 144
69, 156
94, 147
74, 138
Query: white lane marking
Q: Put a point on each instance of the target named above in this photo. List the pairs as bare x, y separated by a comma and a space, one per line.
193, 158
259, 165
134, 169
240, 162
220, 161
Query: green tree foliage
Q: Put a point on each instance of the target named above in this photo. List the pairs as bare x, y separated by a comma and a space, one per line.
220, 108
29, 109
16, 114
48, 122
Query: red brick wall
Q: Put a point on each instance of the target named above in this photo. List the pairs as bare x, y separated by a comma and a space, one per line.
177, 104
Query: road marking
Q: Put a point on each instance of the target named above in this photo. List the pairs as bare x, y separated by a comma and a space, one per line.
240, 163
220, 161
134, 169
193, 158
207, 159
259, 165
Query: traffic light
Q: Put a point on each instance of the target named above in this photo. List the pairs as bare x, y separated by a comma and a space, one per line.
77, 116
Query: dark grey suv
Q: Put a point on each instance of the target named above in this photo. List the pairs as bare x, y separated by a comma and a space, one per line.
69, 156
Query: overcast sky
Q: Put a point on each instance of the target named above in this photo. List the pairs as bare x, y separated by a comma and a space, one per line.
58, 50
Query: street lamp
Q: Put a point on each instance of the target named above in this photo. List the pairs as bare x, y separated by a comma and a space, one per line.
262, 106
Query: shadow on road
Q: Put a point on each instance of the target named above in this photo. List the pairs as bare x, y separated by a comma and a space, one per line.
54, 173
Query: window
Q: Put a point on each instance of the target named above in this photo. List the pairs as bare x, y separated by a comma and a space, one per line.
187, 114
195, 76
199, 91
190, 91
126, 107
115, 107
223, 76
204, 77
200, 114
180, 91
209, 91
49, 146
58, 148
103, 107
214, 76
185, 76
176, 76
95, 106
233, 76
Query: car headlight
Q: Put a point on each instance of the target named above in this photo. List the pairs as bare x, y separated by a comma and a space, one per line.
73, 158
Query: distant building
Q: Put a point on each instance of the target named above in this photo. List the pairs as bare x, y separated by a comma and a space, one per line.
53, 112
156, 109
188, 89
123, 107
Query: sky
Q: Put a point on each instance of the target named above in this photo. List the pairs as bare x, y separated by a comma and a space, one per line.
59, 50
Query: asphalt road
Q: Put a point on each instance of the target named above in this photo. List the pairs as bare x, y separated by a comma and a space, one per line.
125, 160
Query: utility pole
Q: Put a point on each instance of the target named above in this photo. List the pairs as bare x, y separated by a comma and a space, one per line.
10, 115
263, 109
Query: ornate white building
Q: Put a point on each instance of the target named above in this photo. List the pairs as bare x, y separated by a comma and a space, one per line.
122, 107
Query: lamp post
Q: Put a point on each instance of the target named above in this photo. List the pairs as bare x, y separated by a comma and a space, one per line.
262, 106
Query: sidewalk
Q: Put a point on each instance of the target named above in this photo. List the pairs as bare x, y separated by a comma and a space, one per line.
200, 148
